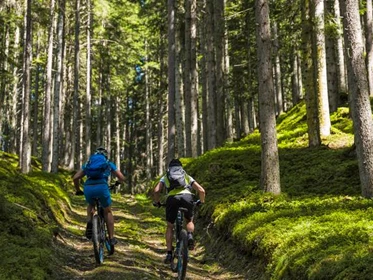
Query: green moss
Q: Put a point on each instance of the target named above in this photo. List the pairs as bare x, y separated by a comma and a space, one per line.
319, 227
31, 206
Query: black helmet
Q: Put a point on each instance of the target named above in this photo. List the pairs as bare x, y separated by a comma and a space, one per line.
175, 162
102, 151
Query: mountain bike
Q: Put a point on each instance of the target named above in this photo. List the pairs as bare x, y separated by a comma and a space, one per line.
180, 254
100, 236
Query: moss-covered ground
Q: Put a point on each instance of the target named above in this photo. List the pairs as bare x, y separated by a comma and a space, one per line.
43, 226
318, 228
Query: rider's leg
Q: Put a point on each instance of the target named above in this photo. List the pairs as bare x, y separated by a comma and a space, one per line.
90, 212
190, 225
169, 235
190, 230
109, 218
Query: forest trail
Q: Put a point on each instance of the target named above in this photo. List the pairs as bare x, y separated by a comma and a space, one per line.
139, 228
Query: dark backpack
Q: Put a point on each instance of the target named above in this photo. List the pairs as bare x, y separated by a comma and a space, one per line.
96, 166
176, 177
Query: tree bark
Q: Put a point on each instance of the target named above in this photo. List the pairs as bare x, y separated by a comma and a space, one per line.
369, 43
321, 76
179, 95
359, 91
14, 142
314, 139
210, 76
280, 102
88, 101
218, 27
47, 152
25, 158
331, 64
270, 168
193, 79
76, 107
171, 80
342, 83
58, 87
188, 79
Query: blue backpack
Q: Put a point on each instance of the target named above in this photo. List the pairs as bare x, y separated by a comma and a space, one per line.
96, 167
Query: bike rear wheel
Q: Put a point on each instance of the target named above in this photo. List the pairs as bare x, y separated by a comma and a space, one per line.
98, 246
182, 258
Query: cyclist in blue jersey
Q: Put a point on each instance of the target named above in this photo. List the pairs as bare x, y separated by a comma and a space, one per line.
98, 188
180, 196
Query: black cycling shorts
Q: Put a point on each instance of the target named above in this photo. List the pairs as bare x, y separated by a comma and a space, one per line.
180, 200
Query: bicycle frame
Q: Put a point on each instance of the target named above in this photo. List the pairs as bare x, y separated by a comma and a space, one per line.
100, 238
181, 248
181, 251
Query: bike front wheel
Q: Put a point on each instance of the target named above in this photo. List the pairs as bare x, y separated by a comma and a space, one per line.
182, 258
98, 247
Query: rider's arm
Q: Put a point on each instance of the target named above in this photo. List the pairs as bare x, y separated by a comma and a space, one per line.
157, 192
119, 175
200, 191
78, 175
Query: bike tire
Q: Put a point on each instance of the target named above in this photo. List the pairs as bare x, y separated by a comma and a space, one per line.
182, 260
96, 240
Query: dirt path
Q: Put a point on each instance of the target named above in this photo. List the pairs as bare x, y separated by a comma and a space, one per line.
139, 255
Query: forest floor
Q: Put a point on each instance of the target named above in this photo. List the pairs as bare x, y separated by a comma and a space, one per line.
139, 228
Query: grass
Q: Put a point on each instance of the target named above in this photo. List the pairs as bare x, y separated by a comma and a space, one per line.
30, 210
318, 228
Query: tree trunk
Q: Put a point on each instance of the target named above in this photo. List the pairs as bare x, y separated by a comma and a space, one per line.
359, 90
321, 76
280, 102
25, 156
331, 65
244, 113
270, 168
219, 43
203, 80
99, 102
14, 138
171, 80
210, 75
47, 153
188, 79
118, 122
238, 117
4, 38
35, 112
314, 139
88, 111
369, 44
342, 83
228, 93
76, 107
149, 128
193, 79
161, 108
179, 95
295, 79
58, 88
